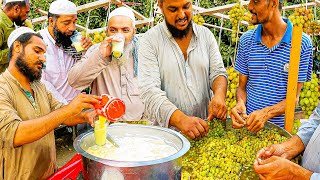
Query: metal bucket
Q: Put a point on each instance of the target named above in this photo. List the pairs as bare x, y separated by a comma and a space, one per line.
166, 168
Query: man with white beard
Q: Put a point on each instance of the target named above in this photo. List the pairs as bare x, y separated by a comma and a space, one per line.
108, 75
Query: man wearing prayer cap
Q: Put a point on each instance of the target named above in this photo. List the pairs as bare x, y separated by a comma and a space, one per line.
109, 75
61, 55
13, 11
29, 112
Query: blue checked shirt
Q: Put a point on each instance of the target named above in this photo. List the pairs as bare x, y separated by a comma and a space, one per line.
309, 133
267, 69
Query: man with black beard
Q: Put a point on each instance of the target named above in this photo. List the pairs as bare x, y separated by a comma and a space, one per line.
61, 55
180, 66
108, 75
29, 113
13, 12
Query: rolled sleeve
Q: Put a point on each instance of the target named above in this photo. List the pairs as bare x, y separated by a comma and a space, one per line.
216, 63
9, 121
157, 105
308, 127
242, 58
306, 62
86, 70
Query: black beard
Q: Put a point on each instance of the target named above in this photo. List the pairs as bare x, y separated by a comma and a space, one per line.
26, 70
18, 21
61, 38
176, 33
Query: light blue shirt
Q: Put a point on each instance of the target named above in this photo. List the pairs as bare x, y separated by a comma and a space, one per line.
309, 133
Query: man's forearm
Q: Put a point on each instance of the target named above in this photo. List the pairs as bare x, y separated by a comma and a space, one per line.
241, 95
279, 108
293, 146
31, 130
219, 86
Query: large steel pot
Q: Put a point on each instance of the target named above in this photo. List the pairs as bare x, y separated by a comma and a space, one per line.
166, 168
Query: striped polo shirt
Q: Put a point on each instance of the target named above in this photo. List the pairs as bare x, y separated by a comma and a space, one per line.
267, 69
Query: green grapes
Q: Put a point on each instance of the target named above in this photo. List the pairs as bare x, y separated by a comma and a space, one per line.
198, 19
96, 37
233, 83
309, 96
226, 154
301, 17
237, 14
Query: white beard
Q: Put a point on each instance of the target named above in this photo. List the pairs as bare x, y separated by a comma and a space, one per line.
127, 49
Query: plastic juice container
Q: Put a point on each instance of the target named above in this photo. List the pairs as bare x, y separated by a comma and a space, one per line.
117, 47
76, 41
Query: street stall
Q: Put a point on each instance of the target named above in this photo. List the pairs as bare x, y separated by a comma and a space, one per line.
225, 153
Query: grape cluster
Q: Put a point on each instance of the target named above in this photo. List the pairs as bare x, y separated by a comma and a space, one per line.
236, 14
314, 28
233, 83
301, 17
309, 96
226, 154
198, 19
96, 37
296, 125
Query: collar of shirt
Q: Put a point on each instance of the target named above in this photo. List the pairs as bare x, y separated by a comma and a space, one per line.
49, 36
285, 39
6, 19
10, 77
168, 33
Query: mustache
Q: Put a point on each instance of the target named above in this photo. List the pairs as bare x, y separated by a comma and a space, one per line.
182, 19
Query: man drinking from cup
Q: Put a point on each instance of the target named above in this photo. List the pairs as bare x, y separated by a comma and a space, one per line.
61, 52
110, 67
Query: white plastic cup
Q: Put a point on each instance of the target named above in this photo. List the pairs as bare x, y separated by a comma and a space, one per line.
117, 46
76, 41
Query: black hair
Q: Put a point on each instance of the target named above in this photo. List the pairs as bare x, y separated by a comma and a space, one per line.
24, 39
54, 16
10, 5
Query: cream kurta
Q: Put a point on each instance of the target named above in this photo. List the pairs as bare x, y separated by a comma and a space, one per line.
35, 160
109, 78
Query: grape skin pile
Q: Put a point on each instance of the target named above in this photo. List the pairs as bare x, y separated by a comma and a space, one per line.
224, 154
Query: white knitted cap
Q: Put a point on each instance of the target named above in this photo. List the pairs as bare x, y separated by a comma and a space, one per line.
63, 7
16, 33
123, 11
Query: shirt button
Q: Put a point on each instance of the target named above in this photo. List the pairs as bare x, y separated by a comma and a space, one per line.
266, 67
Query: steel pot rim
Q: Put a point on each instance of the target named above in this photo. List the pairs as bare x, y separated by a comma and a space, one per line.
184, 149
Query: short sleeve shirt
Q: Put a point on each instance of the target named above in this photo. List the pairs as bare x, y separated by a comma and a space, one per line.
267, 69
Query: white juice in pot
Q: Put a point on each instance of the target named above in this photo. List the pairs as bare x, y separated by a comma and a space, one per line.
133, 148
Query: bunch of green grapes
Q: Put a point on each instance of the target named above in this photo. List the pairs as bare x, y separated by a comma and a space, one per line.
314, 28
301, 17
237, 14
198, 19
226, 154
96, 37
296, 125
309, 96
233, 83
